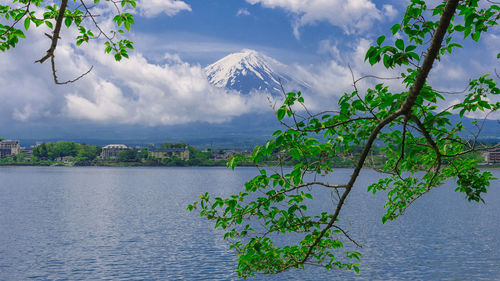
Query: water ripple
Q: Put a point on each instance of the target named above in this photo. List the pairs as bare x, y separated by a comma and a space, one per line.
131, 224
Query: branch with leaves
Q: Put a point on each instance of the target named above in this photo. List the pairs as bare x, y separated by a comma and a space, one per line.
422, 146
77, 14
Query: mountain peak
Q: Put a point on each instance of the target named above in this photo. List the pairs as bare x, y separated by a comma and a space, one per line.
245, 71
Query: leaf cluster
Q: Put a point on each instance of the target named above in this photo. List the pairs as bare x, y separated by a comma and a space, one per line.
79, 15
422, 148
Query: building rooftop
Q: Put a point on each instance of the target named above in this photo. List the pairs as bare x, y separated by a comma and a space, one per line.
9, 141
115, 146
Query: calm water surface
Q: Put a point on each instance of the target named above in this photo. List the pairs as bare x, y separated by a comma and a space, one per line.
62, 223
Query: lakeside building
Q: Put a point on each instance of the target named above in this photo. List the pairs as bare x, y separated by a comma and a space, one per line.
28, 152
494, 155
112, 150
9, 148
162, 153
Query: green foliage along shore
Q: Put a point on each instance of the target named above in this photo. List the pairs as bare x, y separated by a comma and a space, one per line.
74, 154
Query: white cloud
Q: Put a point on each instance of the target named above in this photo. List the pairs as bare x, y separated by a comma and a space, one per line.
172, 58
106, 103
25, 93
137, 91
152, 94
492, 41
22, 114
242, 12
350, 15
390, 12
133, 91
152, 8
332, 78
326, 47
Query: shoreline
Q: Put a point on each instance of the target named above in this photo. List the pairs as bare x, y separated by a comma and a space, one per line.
215, 164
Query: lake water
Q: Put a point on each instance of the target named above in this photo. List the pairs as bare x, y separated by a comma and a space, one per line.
65, 223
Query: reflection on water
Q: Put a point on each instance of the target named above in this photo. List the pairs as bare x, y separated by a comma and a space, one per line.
131, 223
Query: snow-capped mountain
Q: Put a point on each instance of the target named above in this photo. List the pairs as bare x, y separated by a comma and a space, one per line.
250, 70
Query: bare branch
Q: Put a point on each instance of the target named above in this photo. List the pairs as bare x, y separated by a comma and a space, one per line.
56, 80
357, 92
348, 237
376, 77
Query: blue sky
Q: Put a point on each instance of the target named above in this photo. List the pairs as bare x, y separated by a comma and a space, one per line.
233, 23
163, 83
218, 22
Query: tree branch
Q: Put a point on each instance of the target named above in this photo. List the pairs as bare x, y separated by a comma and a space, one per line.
405, 109
55, 34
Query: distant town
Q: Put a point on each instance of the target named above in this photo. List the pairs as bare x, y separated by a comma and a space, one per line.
68, 153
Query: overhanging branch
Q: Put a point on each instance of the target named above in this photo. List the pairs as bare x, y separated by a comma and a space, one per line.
55, 34
405, 109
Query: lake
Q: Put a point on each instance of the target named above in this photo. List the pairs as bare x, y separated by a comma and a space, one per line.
89, 223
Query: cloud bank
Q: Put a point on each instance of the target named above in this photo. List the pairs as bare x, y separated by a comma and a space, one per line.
139, 92
133, 91
153, 8
351, 15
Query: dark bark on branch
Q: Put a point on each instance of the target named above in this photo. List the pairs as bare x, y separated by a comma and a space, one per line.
55, 34
405, 109
431, 56
54, 40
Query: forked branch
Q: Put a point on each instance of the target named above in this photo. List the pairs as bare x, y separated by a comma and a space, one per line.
406, 109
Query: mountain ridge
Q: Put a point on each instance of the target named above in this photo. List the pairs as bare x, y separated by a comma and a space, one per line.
248, 70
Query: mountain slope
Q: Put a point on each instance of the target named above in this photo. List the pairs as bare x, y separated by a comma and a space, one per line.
250, 70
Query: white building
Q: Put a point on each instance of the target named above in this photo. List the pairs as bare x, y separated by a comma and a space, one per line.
9, 148
112, 150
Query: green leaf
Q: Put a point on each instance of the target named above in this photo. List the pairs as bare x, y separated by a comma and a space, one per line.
400, 44
356, 269
358, 104
281, 113
295, 153
27, 22
410, 48
414, 56
380, 40
67, 21
387, 61
395, 28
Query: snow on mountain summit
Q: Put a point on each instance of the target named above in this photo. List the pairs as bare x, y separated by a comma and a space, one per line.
246, 71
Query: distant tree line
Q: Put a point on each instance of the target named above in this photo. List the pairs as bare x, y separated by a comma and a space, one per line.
87, 155
83, 154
